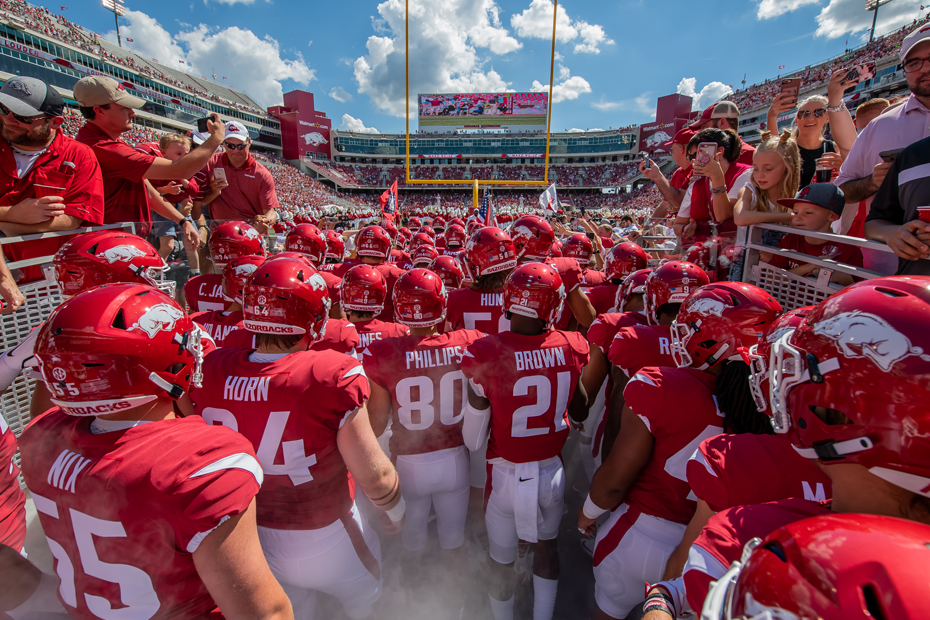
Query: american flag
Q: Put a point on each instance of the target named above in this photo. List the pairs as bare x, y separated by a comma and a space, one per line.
485, 212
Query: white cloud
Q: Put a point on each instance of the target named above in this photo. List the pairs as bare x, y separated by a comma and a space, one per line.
773, 8
575, 130
572, 88
564, 72
350, 123
231, 2
644, 104
535, 22
842, 17
444, 39
713, 92
251, 64
340, 94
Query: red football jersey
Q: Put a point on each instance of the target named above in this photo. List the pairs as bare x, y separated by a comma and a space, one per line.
219, 324
606, 325
333, 285
340, 337
724, 536
473, 309
593, 277
12, 497
738, 470
427, 386
398, 256
331, 267
390, 271
569, 270
376, 329
639, 346
529, 380
125, 510
202, 293
602, 297
290, 410
457, 253
678, 407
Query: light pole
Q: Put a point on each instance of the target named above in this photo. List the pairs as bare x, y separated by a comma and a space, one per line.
117, 8
872, 5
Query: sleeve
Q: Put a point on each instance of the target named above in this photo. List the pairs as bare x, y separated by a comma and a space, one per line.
778, 260
887, 203
861, 159
350, 389
619, 346
123, 161
741, 181
581, 348
269, 199
645, 397
85, 196
685, 209
570, 274
473, 368
704, 476
597, 335
372, 358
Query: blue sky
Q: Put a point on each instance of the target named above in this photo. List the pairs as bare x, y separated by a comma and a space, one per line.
615, 57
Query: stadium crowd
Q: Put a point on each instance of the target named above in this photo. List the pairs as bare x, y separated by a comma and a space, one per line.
346, 365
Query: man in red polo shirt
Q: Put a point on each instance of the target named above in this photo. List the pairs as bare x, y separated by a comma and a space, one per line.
249, 193
128, 196
36, 159
673, 190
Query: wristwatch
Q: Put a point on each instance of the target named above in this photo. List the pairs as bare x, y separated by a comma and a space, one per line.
187, 219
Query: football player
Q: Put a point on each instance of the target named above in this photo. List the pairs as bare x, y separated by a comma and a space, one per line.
147, 514
667, 413
622, 260
454, 240
523, 386
449, 270
373, 246
308, 240
229, 240
335, 250
417, 384
363, 295
304, 412
582, 249
221, 323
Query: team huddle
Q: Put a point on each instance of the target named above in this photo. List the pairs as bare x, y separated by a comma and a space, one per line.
230, 458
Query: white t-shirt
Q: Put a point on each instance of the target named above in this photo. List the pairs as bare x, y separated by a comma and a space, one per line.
741, 181
25, 160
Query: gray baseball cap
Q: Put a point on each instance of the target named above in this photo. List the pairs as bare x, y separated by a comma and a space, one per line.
29, 96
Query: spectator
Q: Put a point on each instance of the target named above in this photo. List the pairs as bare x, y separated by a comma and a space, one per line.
894, 218
815, 208
723, 115
128, 196
33, 153
605, 232
870, 110
673, 190
864, 170
249, 192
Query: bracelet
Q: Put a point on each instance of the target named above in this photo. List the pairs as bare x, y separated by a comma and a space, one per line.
837, 108
396, 513
659, 601
718, 190
187, 219
592, 510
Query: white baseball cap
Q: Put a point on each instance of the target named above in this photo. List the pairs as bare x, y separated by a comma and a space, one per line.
236, 131
199, 138
917, 36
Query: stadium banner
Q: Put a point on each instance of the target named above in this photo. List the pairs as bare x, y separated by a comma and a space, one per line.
482, 110
653, 136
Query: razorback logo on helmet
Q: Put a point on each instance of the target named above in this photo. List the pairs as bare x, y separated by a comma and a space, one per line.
160, 317
251, 233
861, 334
245, 270
317, 282
521, 232
708, 307
776, 335
122, 254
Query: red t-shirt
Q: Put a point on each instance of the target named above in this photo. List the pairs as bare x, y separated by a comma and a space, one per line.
681, 178
841, 253
219, 324
250, 191
290, 410
129, 509
192, 190
424, 376
529, 380
12, 497
123, 169
205, 292
473, 309
607, 242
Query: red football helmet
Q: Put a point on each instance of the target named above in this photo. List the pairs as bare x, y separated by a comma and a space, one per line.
832, 567
757, 356
236, 273
418, 240
420, 299
363, 290
423, 255
472, 227
335, 246
489, 250
449, 271
634, 284
389, 226
860, 359
116, 347
373, 241
105, 257
286, 296
439, 223
578, 247
458, 222
623, 259
234, 239
426, 230
534, 290
532, 237
306, 239
671, 283
414, 223
555, 250
717, 319
455, 236
404, 235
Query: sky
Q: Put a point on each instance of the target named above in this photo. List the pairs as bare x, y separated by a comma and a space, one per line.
614, 58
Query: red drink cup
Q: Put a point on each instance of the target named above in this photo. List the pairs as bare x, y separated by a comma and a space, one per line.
924, 214
49, 190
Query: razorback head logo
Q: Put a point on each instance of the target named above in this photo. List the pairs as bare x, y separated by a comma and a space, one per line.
317, 282
250, 232
861, 334
244, 271
122, 253
708, 307
160, 317
17, 85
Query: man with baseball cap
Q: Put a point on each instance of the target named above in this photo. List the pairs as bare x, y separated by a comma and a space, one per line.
248, 193
48, 182
673, 190
864, 169
128, 196
723, 115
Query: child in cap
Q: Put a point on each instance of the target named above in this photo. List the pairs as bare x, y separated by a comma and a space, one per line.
815, 208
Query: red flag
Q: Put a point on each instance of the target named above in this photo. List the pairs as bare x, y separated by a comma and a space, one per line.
389, 202
781, 66
64, 8
128, 40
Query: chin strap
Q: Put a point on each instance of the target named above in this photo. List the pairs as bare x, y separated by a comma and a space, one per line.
174, 390
835, 450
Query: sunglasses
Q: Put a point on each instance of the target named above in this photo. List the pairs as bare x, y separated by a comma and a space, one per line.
26, 120
818, 113
236, 147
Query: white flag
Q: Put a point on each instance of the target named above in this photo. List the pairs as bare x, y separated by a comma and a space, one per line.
548, 199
